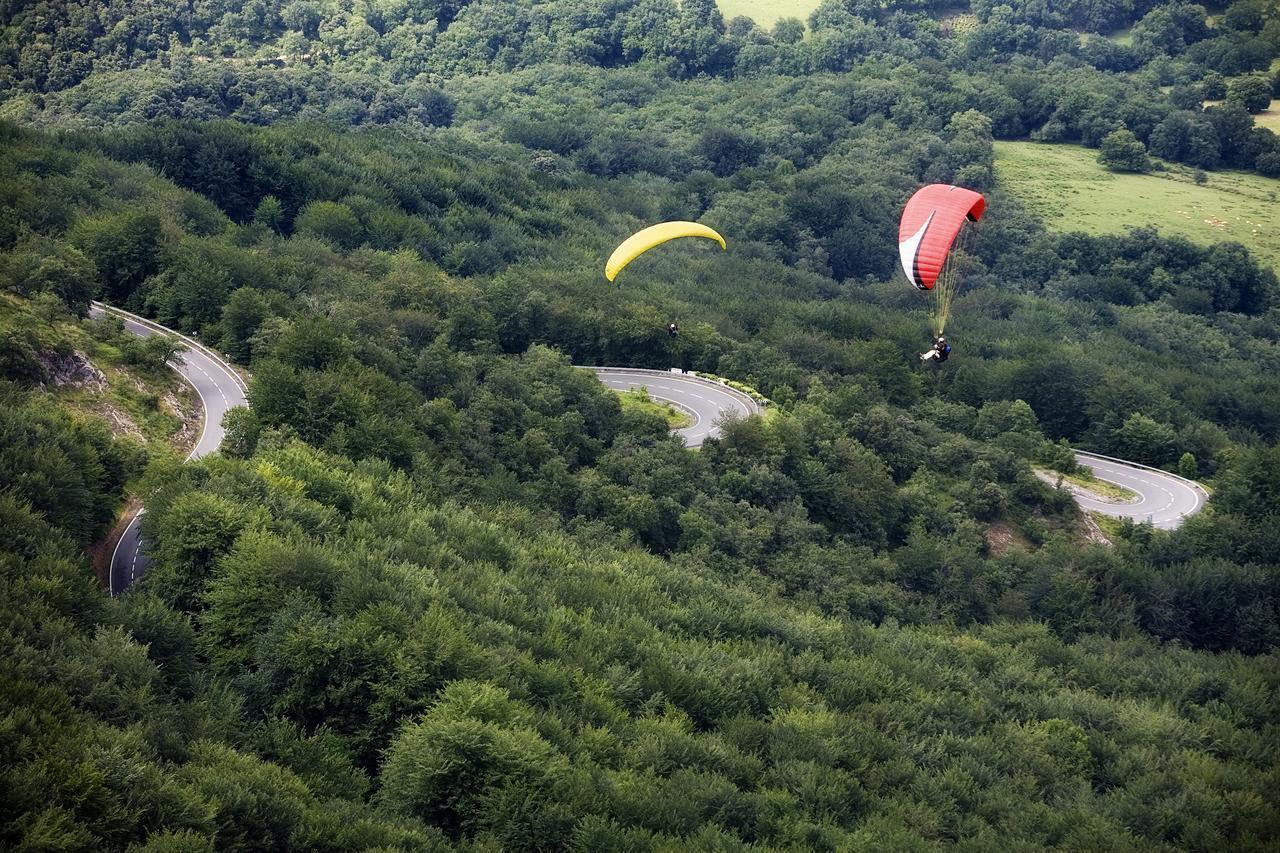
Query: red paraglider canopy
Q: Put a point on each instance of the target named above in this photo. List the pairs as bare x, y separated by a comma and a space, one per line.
930, 222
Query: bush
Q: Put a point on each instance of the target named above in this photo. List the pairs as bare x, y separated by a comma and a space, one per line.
1122, 152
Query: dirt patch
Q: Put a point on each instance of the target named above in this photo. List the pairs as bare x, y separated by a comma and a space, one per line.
1001, 538
120, 422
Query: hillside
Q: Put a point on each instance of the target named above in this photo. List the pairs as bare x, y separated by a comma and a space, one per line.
441, 590
99, 372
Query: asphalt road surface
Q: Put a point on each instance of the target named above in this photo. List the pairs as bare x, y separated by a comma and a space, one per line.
702, 399
1163, 499
219, 389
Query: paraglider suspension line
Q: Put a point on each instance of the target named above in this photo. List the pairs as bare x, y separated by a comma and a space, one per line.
944, 290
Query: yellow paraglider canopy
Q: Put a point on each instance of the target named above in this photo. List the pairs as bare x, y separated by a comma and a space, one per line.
642, 241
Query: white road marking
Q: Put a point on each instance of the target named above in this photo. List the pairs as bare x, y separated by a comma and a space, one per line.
684, 389
1158, 495
115, 552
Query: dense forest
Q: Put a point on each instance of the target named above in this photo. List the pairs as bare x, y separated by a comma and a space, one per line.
440, 590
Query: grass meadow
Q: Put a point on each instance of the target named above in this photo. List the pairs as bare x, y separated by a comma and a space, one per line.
766, 13
1270, 118
1066, 187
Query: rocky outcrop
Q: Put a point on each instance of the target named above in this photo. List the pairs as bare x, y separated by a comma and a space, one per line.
191, 417
73, 368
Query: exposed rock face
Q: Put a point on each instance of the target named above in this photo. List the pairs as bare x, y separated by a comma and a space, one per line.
191, 419
1092, 532
73, 368
122, 425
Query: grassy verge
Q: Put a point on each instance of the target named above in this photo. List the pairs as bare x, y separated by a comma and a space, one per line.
151, 398
960, 24
640, 401
1111, 527
1124, 36
1087, 481
1270, 119
1065, 186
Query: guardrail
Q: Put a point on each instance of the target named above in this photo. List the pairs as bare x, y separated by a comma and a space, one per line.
191, 342
752, 405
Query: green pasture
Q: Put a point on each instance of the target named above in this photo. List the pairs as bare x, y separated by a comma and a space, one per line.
1269, 118
766, 13
1066, 187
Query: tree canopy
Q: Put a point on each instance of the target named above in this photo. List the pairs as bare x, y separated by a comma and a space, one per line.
441, 590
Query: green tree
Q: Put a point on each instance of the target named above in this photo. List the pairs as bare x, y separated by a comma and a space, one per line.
330, 221
729, 150
1236, 138
1145, 440
304, 16
1245, 15
1252, 93
259, 805
241, 430
1251, 485
1122, 152
242, 315
788, 30
40, 265
269, 213
1186, 97
1187, 466
1188, 138
970, 152
192, 532
124, 247
1214, 86
473, 762
155, 352
198, 291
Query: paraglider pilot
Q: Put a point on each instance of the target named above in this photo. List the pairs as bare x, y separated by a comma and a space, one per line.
673, 329
939, 352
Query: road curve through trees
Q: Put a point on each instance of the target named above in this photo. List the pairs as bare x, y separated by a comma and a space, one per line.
219, 387
1164, 499
702, 399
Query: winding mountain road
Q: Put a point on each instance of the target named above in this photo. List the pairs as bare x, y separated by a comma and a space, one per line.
1164, 499
220, 389
704, 400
